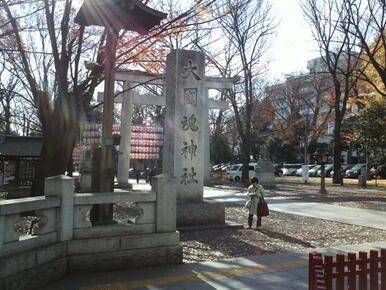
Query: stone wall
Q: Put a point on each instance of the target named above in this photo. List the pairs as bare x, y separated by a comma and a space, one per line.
44, 238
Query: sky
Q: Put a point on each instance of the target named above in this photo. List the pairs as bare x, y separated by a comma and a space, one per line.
293, 45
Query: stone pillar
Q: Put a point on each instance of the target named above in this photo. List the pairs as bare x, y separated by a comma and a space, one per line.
183, 153
185, 138
206, 140
265, 173
62, 186
165, 189
124, 146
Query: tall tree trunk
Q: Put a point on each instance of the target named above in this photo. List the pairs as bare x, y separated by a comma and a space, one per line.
337, 151
337, 128
218, 124
245, 150
24, 126
7, 117
58, 143
53, 159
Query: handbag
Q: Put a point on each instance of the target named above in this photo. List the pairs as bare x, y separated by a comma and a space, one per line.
248, 204
262, 209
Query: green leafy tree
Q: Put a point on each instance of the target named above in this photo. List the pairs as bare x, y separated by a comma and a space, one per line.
282, 152
369, 130
220, 151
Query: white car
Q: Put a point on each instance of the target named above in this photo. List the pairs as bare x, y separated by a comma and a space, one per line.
235, 171
290, 169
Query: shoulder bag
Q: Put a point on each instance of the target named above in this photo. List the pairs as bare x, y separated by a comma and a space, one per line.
263, 208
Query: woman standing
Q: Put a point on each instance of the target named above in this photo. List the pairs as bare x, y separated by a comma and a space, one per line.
256, 194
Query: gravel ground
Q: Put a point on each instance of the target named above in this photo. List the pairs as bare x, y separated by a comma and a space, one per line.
279, 233
286, 232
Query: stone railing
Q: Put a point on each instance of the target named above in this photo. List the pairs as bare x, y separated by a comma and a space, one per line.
146, 212
55, 231
27, 223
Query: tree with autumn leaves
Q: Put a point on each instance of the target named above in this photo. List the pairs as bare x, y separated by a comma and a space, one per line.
302, 109
262, 117
372, 79
46, 50
367, 20
367, 131
345, 31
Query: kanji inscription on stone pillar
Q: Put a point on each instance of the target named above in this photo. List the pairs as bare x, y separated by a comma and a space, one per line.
183, 153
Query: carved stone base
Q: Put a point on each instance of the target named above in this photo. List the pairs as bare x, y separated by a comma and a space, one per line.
108, 261
35, 268
200, 213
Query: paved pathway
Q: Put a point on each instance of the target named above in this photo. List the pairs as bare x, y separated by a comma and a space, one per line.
349, 215
355, 216
267, 272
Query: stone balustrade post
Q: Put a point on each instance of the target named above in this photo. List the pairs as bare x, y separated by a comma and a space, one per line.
165, 188
62, 186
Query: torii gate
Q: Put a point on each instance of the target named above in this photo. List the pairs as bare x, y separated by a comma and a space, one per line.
128, 99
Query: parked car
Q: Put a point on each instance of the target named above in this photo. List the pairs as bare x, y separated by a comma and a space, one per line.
381, 170
225, 167
216, 167
327, 170
354, 171
220, 167
278, 170
235, 171
343, 168
300, 170
290, 169
314, 171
